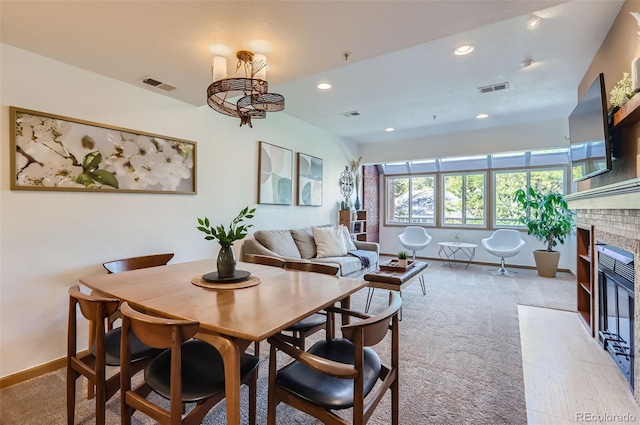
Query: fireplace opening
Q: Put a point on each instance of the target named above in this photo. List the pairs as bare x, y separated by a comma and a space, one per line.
616, 311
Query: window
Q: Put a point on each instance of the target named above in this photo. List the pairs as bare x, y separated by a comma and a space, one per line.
464, 199
411, 199
506, 211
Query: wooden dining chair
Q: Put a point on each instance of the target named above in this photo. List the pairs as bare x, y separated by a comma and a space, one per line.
317, 321
339, 373
105, 351
188, 371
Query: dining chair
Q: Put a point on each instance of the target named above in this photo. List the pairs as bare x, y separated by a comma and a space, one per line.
105, 351
188, 371
339, 373
267, 261
317, 321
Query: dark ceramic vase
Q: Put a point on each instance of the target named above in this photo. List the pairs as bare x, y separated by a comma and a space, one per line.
226, 262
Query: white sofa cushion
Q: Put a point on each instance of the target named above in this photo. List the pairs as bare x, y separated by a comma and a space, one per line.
348, 264
348, 242
278, 241
329, 242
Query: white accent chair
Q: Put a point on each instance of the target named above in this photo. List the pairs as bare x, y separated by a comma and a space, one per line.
414, 238
503, 243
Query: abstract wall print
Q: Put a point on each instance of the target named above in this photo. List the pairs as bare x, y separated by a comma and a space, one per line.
52, 152
275, 175
309, 180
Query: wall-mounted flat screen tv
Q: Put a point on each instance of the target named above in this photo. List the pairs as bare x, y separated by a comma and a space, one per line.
589, 133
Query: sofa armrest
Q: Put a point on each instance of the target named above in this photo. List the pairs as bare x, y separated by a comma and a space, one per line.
252, 246
368, 246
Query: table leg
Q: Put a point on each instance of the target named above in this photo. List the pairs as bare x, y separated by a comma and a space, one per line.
230, 352
369, 299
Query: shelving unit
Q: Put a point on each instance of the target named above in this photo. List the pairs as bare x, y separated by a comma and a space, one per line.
585, 275
358, 226
628, 114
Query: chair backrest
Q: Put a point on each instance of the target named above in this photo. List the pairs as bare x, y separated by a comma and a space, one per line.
312, 267
374, 329
415, 235
135, 263
505, 239
263, 259
157, 332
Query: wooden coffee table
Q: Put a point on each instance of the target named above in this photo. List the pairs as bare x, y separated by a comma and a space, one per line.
395, 280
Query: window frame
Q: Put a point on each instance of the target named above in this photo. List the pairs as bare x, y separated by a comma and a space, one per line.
441, 209
435, 177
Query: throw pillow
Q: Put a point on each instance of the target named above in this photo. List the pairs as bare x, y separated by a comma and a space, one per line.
348, 242
279, 241
329, 242
304, 241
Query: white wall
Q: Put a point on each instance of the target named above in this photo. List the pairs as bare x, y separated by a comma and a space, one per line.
50, 239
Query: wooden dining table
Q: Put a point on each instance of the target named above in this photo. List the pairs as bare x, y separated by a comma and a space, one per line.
230, 319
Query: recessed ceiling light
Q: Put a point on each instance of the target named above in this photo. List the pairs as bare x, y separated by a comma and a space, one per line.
533, 22
482, 116
464, 50
526, 63
324, 86
389, 129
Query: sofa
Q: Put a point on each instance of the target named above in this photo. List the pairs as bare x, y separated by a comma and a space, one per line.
326, 244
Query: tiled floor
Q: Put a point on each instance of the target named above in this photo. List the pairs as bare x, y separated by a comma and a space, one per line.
568, 377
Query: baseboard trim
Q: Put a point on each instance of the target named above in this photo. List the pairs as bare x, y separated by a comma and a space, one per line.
25, 375
477, 263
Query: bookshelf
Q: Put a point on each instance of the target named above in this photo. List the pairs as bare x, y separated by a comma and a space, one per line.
584, 275
356, 222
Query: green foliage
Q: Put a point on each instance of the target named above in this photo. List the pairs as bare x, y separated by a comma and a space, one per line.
236, 231
402, 255
546, 216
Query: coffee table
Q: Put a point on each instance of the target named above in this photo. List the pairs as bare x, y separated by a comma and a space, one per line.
448, 251
395, 281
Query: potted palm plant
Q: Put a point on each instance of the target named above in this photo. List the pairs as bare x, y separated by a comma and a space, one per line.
550, 221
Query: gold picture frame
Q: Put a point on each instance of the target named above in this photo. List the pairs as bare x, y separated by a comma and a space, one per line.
53, 152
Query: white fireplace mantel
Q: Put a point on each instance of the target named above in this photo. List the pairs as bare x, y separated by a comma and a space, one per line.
618, 196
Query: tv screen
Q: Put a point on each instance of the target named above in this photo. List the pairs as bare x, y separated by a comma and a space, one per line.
589, 133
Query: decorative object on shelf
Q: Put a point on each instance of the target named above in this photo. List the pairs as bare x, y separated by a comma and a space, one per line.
548, 218
622, 91
402, 259
346, 186
255, 100
310, 180
52, 152
226, 259
356, 172
275, 165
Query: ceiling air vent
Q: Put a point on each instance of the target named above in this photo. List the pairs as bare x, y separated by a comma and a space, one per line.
493, 87
158, 84
350, 114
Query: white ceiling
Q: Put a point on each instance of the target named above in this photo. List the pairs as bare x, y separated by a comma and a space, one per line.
401, 72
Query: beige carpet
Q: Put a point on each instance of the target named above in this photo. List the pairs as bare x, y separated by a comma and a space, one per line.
460, 356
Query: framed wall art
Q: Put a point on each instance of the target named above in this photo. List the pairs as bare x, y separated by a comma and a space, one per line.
52, 152
275, 175
310, 180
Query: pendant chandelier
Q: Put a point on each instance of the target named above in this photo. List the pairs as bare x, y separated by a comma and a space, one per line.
251, 91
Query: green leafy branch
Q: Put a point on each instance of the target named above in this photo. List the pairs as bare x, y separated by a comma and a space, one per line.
236, 231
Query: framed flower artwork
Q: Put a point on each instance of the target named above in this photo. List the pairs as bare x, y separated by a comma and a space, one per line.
52, 152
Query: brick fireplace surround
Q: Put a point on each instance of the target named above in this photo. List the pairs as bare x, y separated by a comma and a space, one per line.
621, 228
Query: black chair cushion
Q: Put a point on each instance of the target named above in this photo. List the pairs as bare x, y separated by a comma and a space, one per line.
308, 322
202, 371
139, 350
327, 391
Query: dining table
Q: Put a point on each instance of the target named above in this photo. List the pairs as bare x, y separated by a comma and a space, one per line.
231, 316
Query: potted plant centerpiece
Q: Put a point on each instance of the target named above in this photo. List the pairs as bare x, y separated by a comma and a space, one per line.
402, 259
226, 258
550, 221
